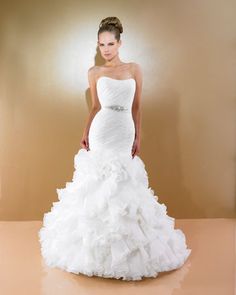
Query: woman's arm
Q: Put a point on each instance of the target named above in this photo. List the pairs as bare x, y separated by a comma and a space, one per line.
95, 107
136, 107
95, 101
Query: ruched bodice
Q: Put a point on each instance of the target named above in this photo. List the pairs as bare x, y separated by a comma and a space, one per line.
113, 128
116, 92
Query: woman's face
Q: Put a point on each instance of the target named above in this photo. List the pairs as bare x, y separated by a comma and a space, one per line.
108, 45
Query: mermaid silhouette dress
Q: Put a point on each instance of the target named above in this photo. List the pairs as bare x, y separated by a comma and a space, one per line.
107, 221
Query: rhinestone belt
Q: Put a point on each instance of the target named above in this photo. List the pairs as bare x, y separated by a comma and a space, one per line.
116, 107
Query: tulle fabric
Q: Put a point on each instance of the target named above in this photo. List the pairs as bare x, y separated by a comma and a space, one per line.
108, 222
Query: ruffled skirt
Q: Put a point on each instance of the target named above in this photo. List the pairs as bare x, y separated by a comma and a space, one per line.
107, 222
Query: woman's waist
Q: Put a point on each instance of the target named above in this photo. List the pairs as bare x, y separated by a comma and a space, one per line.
117, 108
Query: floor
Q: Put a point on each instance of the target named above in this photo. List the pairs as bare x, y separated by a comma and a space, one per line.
209, 270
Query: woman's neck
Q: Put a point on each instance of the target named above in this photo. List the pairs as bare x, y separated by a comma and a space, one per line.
115, 62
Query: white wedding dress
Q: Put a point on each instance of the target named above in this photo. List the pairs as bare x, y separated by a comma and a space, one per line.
107, 221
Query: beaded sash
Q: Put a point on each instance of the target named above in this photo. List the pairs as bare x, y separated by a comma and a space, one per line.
116, 108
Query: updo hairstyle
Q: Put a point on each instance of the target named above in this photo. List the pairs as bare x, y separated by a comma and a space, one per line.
111, 24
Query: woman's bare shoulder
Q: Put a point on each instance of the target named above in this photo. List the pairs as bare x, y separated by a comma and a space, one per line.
93, 72
136, 70
135, 65
94, 69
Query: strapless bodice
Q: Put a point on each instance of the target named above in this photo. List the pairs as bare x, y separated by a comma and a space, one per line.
116, 94
112, 127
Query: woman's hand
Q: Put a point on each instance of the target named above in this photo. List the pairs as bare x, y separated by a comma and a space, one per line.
84, 141
136, 146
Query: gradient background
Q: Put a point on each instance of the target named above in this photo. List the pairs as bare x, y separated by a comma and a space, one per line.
187, 51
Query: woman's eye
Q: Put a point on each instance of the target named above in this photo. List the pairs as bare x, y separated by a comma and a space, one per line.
110, 44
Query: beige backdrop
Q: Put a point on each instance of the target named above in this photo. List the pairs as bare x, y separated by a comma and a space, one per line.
187, 53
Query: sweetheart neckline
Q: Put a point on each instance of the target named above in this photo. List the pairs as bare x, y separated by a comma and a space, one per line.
114, 78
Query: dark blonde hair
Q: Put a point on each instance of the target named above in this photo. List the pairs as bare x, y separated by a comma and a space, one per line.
111, 24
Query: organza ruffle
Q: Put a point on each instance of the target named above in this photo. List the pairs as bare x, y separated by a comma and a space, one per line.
107, 222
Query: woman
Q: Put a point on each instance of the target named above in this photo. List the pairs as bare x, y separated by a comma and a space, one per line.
109, 42
108, 222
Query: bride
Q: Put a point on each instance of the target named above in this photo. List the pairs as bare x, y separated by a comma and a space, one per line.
109, 44
107, 221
